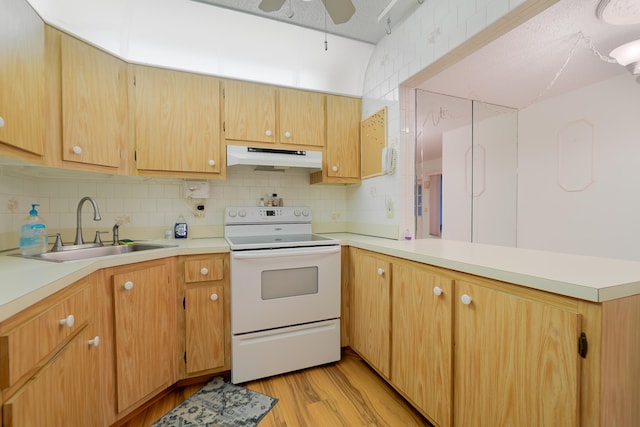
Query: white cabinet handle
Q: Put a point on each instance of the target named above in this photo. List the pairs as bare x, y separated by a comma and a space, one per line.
380, 271
212, 162
69, 321
287, 134
128, 285
204, 271
466, 299
214, 297
334, 168
95, 341
437, 291
77, 149
268, 132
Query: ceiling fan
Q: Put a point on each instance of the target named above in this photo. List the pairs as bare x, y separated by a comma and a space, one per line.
340, 11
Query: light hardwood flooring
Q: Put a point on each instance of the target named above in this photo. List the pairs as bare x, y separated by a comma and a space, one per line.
347, 393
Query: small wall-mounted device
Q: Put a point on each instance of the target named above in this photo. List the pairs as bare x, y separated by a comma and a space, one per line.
389, 160
196, 189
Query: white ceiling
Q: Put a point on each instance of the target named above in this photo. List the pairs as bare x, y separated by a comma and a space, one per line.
363, 25
516, 69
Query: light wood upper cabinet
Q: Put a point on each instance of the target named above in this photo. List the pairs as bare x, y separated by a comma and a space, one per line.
250, 112
177, 120
266, 114
145, 329
22, 80
95, 120
341, 164
302, 116
516, 359
371, 310
422, 342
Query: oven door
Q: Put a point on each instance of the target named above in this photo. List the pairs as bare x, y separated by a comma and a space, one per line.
273, 288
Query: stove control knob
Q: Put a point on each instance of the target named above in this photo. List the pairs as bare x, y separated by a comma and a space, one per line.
305, 212
242, 213
233, 214
296, 212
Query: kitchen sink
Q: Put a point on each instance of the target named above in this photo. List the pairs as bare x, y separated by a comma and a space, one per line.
97, 251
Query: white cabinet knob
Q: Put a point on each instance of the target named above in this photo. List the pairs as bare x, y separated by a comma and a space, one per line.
268, 132
95, 341
334, 168
466, 299
287, 134
212, 162
437, 291
77, 149
69, 321
214, 297
204, 271
128, 285
1, 122
380, 271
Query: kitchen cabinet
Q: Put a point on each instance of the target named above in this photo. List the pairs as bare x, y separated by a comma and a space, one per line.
53, 360
22, 81
266, 114
342, 151
177, 123
145, 329
205, 319
95, 112
516, 359
371, 310
422, 341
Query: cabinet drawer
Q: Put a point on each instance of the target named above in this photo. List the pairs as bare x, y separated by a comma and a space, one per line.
203, 269
23, 348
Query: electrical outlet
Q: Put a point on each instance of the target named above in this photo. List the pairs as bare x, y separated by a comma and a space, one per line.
123, 219
12, 205
335, 216
389, 204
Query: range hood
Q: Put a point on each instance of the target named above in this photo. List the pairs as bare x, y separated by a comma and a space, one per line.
273, 158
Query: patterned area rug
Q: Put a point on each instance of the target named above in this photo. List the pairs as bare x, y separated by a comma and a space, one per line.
219, 403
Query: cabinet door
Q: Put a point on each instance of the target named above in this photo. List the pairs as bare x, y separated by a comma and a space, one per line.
94, 105
343, 137
250, 112
204, 314
63, 393
177, 121
302, 117
371, 331
422, 342
516, 360
145, 332
22, 77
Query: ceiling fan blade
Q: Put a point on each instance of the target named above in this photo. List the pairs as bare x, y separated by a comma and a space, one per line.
340, 11
270, 5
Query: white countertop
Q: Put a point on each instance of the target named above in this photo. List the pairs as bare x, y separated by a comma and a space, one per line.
23, 282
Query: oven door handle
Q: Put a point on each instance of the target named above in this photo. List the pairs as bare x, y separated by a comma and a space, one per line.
280, 253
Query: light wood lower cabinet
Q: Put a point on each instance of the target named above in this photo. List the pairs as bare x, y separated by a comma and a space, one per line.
422, 341
205, 316
371, 310
145, 329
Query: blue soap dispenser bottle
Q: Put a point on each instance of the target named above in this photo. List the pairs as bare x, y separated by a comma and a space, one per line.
33, 233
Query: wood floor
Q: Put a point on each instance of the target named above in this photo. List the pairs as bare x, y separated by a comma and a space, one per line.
347, 393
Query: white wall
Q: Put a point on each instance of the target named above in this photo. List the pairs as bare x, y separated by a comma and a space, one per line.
602, 219
434, 29
192, 36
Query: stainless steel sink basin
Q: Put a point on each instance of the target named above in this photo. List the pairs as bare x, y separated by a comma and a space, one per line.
93, 252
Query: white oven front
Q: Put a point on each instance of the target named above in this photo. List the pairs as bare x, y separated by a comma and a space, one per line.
285, 310
273, 288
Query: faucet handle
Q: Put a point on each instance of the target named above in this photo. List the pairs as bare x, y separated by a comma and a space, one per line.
57, 246
97, 239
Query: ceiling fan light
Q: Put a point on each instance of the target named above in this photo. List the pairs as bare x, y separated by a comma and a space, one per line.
627, 53
619, 12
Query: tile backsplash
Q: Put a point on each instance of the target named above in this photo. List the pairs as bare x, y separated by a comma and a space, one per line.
145, 207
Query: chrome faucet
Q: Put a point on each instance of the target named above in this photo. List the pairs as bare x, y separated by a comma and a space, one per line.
96, 217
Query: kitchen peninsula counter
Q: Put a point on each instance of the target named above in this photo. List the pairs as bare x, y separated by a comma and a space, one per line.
26, 281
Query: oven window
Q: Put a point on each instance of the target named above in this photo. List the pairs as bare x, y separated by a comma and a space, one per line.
289, 282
